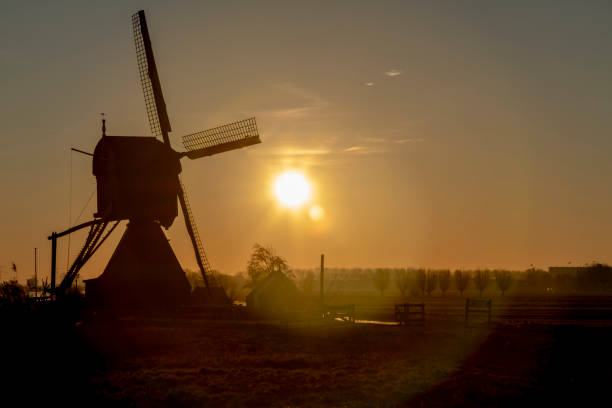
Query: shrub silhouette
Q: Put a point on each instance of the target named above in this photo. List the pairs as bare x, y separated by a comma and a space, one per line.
402, 281
481, 280
444, 281
462, 280
13, 298
432, 282
421, 280
504, 280
381, 278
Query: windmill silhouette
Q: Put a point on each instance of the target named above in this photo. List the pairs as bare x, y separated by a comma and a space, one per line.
138, 180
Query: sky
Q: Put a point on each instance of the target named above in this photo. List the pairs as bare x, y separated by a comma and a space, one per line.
434, 134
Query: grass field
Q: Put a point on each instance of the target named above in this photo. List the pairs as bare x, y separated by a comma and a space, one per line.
538, 349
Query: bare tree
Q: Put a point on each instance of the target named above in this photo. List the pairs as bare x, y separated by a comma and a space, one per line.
462, 280
45, 287
504, 280
264, 261
402, 281
381, 278
481, 280
444, 281
432, 282
421, 280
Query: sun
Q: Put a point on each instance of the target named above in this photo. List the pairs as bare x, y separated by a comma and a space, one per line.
291, 189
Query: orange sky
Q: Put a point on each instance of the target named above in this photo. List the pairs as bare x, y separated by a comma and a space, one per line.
440, 136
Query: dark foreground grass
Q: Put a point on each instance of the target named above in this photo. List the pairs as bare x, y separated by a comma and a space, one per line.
190, 363
555, 358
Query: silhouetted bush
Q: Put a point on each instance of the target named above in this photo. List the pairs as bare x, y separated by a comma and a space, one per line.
432, 282
402, 281
381, 279
503, 280
444, 281
462, 280
421, 278
481, 280
13, 298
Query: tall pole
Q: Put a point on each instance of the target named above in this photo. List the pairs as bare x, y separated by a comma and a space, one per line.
53, 261
322, 278
35, 276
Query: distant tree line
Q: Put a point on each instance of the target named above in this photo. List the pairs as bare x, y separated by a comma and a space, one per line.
594, 278
415, 282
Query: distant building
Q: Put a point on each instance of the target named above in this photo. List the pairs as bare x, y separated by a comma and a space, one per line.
594, 278
274, 295
565, 270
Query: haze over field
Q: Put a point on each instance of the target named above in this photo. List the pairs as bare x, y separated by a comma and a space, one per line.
438, 135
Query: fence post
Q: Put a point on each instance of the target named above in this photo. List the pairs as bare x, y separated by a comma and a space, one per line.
321, 280
53, 262
423, 313
467, 306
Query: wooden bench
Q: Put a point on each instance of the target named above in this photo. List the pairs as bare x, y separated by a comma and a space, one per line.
478, 306
405, 311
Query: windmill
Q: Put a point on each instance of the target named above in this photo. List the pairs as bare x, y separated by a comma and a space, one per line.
138, 180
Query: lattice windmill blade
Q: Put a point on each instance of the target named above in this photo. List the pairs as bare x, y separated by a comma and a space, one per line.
198, 248
154, 98
221, 139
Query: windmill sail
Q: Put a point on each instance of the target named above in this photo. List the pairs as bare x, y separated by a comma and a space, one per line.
154, 98
222, 139
201, 258
160, 126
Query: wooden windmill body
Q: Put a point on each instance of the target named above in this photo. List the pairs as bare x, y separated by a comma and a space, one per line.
138, 180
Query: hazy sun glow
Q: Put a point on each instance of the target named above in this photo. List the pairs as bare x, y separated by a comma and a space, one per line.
291, 189
316, 212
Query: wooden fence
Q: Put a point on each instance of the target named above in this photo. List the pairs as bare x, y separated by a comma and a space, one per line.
404, 313
477, 306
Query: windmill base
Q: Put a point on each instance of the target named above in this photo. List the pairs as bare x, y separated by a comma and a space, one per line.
142, 275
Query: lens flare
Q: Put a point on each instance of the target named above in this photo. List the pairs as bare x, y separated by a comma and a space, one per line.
316, 212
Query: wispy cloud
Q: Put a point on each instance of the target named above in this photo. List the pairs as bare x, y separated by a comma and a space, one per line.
364, 150
373, 139
408, 140
377, 145
306, 103
369, 84
288, 113
291, 151
393, 73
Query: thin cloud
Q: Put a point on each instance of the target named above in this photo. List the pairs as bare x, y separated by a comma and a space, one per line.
291, 151
369, 84
364, 150
393, 73
308, 103
373, 139
289, 113
378, 145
